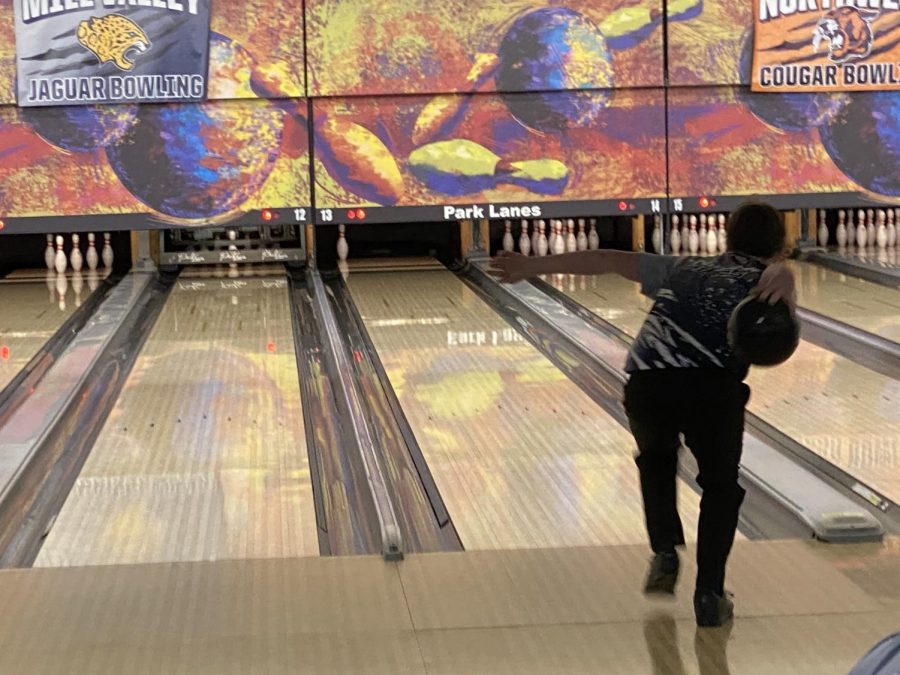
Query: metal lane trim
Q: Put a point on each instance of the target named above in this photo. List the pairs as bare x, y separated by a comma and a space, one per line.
338, 478
48, 439
401, 438
391, 537
867, 349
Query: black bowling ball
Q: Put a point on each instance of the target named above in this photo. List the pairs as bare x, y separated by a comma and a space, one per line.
762, 334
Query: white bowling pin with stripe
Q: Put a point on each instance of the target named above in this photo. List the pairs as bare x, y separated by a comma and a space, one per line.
701, 232
861, 229
871, 230
656, 237
823, 230
722, 235
49, 253
582, 240
343, 248
693, 237
524, 239
107, 253
881, 231
593, 237
571, 240
891, 229
508, 242
60, 262
92, 258
542, 244
841, 232
75, 256
675, 236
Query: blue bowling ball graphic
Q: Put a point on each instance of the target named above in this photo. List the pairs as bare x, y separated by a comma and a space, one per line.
81, 128
785, 111
198, 160
863, 141
562, 56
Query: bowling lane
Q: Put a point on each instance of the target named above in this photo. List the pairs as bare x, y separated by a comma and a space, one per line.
32, 311
840, 410
522, 457
867, 306
203, 456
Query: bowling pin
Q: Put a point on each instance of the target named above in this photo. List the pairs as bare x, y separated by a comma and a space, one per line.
75, 256
712, 239
841, 232
656, 238
60, 262
77, 286
593, 237
524, 240
891, 229
685, 234
49, 253
571, 241
107, 253
701, 232
823, 230
343, 249
693, 237
723, 235
535, 235
92, 258
870, 227
582, 237
62, 286
232, 267
881, 232
861, 229
675, 236
508, 243
542, 245
559, 242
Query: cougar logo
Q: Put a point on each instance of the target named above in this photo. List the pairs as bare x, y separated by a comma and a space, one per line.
848, 31
111, 38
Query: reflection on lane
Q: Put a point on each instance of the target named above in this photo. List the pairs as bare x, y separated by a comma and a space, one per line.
840, 410
522, 457
203, 456
862, 304
30, 314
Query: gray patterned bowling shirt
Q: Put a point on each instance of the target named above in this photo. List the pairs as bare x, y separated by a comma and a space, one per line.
693, 300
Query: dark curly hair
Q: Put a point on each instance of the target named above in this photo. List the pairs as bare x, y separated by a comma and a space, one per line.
755, 228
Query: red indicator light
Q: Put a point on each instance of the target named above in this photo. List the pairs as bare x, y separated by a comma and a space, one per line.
4, 351
360, 214
704, 202
2, 224
268, 215
271, 347
623, 206
351, 214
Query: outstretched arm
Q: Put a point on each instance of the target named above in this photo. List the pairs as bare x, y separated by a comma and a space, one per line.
513, 267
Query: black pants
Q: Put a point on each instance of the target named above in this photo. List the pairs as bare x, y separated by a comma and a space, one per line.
707, 406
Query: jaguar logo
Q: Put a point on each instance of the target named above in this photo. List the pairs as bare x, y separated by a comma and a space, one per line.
113, 38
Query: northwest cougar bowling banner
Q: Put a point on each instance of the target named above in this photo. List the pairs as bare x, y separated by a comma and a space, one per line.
71, 52
826, 45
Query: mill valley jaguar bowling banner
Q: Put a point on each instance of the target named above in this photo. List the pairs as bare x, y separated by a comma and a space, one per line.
826, 45
71, 52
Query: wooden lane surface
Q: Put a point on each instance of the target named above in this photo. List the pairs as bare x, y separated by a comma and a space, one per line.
203, 456
521, 456
29, 316
840, 410
857, 302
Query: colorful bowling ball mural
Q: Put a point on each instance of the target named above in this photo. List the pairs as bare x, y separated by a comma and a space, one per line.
81, 128
183, 163
718, 145
358, 47
373, 151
